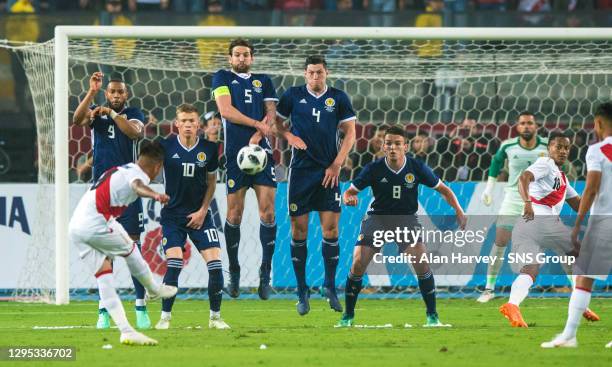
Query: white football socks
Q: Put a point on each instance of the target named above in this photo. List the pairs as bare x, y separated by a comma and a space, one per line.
579, 301
520, 288
112, 303
140, 270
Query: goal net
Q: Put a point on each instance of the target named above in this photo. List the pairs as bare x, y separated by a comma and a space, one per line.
457, 93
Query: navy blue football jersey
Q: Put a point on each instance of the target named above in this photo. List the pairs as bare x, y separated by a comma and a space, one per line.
185, 174
315, 120
111, 147
249, 92
395, 192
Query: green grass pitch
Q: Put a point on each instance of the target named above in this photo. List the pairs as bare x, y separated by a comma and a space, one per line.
480, 336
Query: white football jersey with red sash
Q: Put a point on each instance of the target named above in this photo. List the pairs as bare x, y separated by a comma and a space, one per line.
599, 158
550, 188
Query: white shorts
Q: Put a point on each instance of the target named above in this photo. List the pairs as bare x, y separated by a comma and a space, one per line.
595, 258
535, 237
96, 239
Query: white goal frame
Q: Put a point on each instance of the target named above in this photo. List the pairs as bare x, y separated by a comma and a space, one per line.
64, 33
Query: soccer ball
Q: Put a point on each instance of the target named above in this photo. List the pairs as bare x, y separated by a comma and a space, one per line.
252, 159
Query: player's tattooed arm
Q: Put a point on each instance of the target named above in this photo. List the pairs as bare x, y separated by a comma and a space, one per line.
271, 117
133, 128
523, 187
231, 113
82, 115
450, 197
196, 219
282, 131
333, 171
145, 191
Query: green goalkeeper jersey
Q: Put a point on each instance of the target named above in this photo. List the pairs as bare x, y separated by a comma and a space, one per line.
519, 158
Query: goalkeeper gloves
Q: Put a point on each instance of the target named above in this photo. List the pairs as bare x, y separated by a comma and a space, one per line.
486, 196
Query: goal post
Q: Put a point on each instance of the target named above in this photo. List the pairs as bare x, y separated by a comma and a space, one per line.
376, 59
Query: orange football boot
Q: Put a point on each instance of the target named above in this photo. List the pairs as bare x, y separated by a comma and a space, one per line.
513, 314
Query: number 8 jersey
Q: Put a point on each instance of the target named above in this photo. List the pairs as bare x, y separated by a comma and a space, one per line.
185, 173
395, 192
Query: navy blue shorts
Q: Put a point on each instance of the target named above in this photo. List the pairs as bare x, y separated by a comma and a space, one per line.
373, 228
175, 232
236, 179
306, 194
132, 218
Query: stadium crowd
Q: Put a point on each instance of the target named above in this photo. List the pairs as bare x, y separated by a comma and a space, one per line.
382, 6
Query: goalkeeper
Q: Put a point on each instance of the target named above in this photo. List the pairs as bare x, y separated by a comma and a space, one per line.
521, 152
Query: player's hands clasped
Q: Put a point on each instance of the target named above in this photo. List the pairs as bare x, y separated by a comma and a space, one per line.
196, 219
95, 82
296, 142
331, 175
100, 111
262, 126
349, 200
162, 198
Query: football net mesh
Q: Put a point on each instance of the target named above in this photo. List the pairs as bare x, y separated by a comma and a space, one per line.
458, 99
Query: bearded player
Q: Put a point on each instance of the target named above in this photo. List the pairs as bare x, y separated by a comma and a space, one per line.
544, 189
116, 129
520, 152
247, 103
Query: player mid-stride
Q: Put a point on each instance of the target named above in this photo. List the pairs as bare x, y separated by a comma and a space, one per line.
595, 258
94, 229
